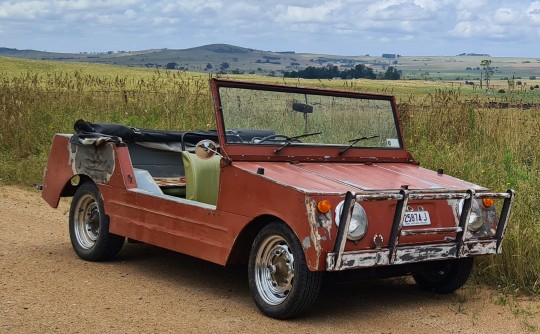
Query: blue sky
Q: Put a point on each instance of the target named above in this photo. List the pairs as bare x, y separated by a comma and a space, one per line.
342, 27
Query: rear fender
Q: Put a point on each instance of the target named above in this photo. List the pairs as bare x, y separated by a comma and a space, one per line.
98, 164
58, 171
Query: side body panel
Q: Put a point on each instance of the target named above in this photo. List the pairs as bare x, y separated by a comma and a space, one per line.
197, 229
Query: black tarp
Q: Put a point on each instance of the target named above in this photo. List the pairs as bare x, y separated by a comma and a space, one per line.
132, 134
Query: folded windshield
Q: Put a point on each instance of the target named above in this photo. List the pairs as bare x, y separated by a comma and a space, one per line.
287, 119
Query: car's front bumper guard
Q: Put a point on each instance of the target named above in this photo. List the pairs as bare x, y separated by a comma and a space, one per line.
395, 254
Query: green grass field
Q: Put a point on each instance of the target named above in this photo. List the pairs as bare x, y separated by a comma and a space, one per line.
446, 125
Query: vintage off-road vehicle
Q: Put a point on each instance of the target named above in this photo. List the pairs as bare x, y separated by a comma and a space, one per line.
294, 181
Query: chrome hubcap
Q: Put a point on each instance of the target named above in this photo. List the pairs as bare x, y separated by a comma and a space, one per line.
86, 221
274, 270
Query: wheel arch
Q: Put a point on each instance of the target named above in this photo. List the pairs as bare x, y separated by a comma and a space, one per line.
239, 254
53, 191
69, 189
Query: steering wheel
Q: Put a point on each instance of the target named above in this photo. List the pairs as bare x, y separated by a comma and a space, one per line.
233, 137
272, 137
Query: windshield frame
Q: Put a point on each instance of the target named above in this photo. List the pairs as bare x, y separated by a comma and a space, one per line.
315, 152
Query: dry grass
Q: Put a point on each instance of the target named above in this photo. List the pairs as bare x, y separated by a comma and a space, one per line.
497, 148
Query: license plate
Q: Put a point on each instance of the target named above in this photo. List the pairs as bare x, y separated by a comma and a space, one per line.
416, 218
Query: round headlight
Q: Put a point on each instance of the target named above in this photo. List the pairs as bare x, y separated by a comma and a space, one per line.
475, 218
358, 225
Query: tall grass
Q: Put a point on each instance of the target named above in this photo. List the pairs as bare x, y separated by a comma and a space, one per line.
35, 106
462, 133
496, 148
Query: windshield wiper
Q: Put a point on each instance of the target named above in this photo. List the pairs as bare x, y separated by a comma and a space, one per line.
289, 140
354, 141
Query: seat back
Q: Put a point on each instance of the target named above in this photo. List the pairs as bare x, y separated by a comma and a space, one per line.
202, 178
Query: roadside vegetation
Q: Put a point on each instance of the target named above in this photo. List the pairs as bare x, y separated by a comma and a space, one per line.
482, 136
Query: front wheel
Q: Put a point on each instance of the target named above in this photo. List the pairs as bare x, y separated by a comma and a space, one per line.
450, 276
89, 226
280, 282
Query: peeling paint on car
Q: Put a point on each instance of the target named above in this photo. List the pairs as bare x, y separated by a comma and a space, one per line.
306, 244
325, 221
311, 209
409, 254
480, 248
95, 161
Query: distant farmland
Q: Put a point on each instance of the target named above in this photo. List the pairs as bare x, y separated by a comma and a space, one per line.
229, 59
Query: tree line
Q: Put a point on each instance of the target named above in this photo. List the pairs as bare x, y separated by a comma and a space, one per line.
360, 71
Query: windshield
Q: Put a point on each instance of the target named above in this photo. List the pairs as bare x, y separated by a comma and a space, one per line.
264, 117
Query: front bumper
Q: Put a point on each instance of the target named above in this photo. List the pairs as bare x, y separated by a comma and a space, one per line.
396, 254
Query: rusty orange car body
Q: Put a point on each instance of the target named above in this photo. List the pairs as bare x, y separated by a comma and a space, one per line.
297, 192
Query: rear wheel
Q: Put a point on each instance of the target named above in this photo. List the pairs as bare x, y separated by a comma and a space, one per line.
450, 276
281, 284
89, 226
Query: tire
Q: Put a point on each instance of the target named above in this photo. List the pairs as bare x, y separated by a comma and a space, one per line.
280, 282
89, 226
451, 276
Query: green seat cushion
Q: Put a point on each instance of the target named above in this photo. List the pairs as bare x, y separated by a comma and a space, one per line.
202, 178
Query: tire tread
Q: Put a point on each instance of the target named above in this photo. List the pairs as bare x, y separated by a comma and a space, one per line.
458, 273
307, 284
108, 244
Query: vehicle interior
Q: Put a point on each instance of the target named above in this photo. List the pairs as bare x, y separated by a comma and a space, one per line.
165, 163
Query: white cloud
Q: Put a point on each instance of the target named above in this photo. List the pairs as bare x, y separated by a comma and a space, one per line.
464, 29
192, 6
331, 26
161, 21
410, 10
533, 12
480, 30
505, 16
130, 14
433, 5
407, 38
471, 5
321, 13
23, 9
86, 5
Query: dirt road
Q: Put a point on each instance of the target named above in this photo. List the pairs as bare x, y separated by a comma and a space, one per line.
45, 288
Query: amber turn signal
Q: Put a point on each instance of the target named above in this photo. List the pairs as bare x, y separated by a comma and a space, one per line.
488, 202
324, 206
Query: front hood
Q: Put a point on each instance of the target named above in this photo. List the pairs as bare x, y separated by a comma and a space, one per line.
343, 177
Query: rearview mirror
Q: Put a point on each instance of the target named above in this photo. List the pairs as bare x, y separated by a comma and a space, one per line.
302, 107
205, 149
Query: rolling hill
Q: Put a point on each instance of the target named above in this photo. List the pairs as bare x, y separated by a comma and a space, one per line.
224, 58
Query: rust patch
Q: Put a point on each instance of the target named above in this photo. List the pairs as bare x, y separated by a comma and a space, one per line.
480, 248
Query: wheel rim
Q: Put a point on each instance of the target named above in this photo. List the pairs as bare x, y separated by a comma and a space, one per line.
86, 221
274, 270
